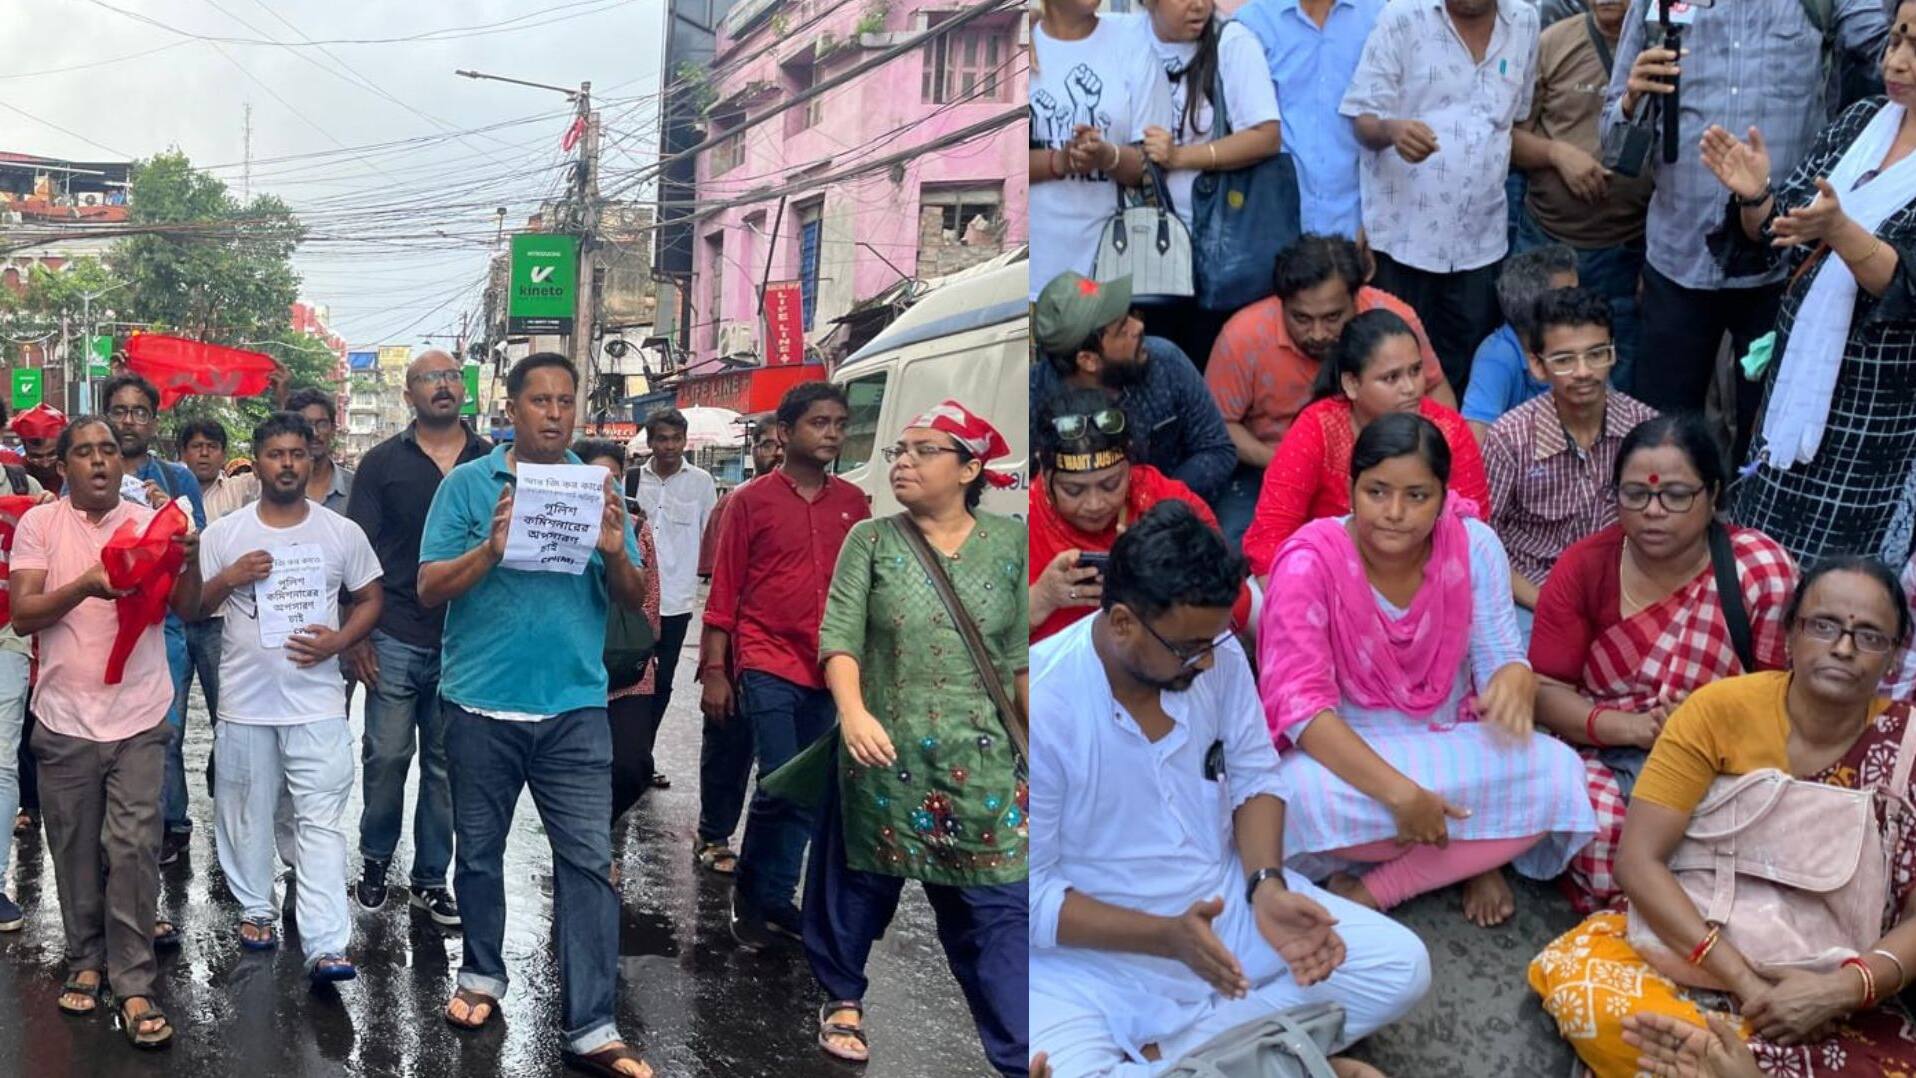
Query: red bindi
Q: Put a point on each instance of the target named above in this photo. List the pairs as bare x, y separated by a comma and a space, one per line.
1654, 477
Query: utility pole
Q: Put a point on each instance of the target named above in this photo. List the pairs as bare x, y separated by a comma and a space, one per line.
246, 169
581, 215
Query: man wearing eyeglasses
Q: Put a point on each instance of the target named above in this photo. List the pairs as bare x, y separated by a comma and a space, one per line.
1161, 910
399, 663
132, 410
1549, 459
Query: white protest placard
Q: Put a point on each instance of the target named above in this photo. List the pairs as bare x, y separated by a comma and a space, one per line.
133, 488
556, 509
293, 595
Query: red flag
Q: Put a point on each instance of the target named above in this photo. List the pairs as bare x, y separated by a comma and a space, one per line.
573, 134
180, 367
12, 508
148, 563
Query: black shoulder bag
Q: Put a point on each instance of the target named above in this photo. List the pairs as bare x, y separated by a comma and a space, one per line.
1729, 592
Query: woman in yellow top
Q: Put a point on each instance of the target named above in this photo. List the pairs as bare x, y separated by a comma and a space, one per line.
1821, 721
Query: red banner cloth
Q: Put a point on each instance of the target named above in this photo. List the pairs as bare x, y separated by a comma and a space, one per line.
180, 367
12, 508
148, 562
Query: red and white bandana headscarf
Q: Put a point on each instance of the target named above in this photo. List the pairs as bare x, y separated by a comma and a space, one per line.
39, 421
976, 435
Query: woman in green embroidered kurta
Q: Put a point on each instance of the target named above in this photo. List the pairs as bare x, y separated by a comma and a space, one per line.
930, 787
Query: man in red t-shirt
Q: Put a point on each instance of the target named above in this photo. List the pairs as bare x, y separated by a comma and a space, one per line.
758, 658
1265, 361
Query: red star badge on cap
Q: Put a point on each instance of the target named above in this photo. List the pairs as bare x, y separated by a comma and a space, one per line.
1087, 287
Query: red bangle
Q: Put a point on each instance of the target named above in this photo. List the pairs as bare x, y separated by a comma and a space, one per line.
1590, 727
1869, 979
1704, 945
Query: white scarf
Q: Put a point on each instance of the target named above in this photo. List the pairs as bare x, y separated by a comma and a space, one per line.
1806, 381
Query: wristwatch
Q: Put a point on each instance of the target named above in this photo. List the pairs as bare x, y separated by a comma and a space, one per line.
1258, 877
1761, 196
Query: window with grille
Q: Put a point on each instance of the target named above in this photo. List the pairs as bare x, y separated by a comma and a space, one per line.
808, 237
967, 65
728, 154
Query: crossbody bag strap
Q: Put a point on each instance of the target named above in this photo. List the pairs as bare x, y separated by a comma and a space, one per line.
1729, 595
934, 567
1604, 52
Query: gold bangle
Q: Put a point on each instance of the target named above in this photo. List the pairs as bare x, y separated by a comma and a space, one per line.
1876, 248
1213, 148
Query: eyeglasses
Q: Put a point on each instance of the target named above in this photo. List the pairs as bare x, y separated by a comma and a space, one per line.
1189, 657
1105, 420
922, 452
132, 415
1829, 631
1636, 498
444, 377
1598, 359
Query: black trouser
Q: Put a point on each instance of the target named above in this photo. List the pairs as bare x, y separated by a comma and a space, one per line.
29, 770
1684, 328
671, 643
1458, 309
635, 729
1192, 328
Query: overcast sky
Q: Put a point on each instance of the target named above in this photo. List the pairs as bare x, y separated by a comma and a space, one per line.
166, 90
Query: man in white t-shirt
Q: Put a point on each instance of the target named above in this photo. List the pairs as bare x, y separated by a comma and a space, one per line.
274, 569
677, 497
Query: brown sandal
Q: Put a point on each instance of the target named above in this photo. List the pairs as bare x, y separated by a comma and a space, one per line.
605, 1062
473, 1001
828, 1029
147, 1039
709, 856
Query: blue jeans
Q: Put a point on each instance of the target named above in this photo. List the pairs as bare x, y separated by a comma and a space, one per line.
1614, 272
785, 717
180, 663
14, 668
725, 773
1238, 504
310, 766
405, 700
567, 762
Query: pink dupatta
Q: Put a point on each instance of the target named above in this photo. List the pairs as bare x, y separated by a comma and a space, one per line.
1323, 638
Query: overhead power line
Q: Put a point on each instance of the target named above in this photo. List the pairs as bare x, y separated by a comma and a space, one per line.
455, 33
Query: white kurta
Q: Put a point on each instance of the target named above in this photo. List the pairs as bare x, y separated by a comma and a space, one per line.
1137, 824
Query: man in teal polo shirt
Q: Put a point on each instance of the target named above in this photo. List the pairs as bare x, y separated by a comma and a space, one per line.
523, 686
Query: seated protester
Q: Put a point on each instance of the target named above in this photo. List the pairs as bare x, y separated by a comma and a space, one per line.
1268, 356
1091, 337
284, 732
1394, 683
1500, 375
1821, 721
1088, 492
1630, 621
1161, 914
1375, 371
1550, 459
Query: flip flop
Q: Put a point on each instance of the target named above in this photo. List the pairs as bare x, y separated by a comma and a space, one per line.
172, 937
473, 1001
605, 1062
149, 1040
332, 967
77, 987
828, 1029
266, 942
709, 855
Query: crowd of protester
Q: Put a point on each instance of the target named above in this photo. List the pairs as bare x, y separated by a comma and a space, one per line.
130, 574
1566, 491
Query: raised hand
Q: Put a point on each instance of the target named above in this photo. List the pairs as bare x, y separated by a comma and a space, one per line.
1819, 222
1742, 167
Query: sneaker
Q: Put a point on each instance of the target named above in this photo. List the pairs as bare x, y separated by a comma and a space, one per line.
370, 891
748, 928
438, 904
173, 845
10, 916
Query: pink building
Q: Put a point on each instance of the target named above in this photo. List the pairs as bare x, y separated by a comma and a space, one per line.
847, 241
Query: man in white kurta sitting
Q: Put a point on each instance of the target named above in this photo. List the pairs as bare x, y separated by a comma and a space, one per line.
1161, 914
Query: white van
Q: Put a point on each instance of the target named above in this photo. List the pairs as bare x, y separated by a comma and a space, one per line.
965, 340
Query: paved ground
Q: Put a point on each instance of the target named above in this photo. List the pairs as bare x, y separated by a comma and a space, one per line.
700, 1007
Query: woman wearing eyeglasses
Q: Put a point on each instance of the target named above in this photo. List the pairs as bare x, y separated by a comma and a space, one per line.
1376, 370
1088, 492
1394, 682
929, 786
1630, 621
1616, 996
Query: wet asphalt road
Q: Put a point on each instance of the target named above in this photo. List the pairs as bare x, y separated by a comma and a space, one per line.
697, 1005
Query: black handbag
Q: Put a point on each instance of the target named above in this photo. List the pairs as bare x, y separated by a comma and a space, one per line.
629, 643
1240, 220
